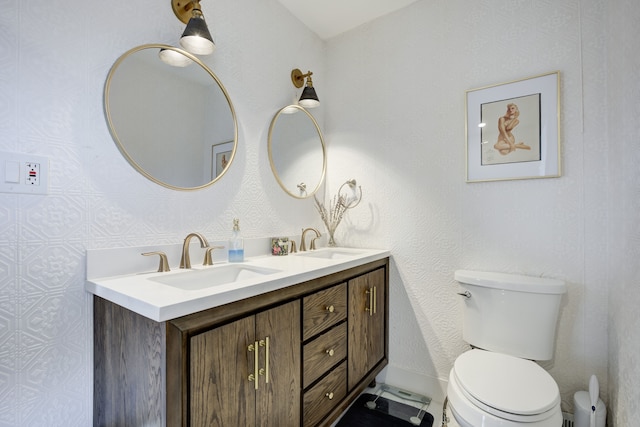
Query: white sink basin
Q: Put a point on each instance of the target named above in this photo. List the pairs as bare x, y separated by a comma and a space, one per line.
330, 253
193, 280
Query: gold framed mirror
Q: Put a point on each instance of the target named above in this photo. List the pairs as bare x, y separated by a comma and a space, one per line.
297, 152
175, 125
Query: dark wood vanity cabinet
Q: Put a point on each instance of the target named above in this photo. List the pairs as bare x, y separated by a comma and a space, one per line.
246, 373
367, 328
293, 357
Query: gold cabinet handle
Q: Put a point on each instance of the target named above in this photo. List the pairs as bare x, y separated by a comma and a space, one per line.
329, 395
375, 299
266, 375
331, 309
253, 348
330, 352
370, 309
265, 343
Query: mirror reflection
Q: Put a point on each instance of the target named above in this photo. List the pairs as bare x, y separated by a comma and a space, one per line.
297, 151
175, 125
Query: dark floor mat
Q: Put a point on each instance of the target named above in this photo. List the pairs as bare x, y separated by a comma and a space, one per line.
388, 413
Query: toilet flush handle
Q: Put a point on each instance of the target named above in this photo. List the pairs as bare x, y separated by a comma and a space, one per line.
465, 294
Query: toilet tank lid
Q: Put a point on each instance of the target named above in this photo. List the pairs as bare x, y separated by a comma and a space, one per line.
514, 282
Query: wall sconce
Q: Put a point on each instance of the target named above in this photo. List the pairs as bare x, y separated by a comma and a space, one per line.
309, 98
196, 38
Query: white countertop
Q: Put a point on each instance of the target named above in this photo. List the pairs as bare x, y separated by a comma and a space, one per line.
161, 302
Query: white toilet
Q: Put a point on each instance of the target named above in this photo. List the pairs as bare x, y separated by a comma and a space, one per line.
509, 320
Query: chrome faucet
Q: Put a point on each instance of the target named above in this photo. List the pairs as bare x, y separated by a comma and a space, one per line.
303, 246
185, 262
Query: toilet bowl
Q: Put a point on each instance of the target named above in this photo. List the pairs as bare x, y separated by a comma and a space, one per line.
497, 390
510, 321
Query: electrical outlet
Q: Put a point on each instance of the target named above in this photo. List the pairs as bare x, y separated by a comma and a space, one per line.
32, 174
23, 173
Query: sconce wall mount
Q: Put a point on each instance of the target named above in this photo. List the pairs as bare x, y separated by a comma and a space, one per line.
297, 78
183, 9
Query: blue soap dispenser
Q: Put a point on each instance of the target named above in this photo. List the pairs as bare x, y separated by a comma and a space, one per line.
236, 243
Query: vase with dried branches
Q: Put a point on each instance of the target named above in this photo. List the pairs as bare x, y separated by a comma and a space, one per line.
337, 208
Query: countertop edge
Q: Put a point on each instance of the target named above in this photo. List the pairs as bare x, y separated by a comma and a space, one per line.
202, 301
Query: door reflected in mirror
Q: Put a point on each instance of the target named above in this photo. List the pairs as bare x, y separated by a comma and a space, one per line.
175, 125
297, 152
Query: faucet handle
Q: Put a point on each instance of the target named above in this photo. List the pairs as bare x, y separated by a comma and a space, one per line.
293, 247
208, 260
164, 262
303, 246
313, 243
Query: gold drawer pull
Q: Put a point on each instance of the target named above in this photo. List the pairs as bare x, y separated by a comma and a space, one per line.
331, 308
330, 352
265, 343
373, 301
254, 377
329, 395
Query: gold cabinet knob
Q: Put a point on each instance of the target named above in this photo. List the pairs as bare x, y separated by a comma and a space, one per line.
329, 395
331, 309
330, 352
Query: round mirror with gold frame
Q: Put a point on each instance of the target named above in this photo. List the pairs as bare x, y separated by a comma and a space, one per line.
297, 152
175, 124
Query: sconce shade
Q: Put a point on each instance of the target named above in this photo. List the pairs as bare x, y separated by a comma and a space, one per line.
309, 98
176, 59
196, 38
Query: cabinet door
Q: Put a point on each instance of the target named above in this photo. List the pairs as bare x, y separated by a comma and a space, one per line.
366, 324
278, 400
221, 394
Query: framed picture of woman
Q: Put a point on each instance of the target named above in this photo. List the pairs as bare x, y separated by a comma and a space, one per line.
513, 130
220, 157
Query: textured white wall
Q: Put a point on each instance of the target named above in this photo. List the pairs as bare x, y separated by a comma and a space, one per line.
54, 58
624, 201
402, 135
395, 91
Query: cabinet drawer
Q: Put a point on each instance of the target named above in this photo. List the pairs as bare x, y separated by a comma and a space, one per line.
323, 353
320, 399
323, 309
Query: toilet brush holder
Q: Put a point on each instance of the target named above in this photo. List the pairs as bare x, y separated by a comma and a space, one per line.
582, 411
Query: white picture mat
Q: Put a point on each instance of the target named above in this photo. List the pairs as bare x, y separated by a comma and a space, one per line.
549, 164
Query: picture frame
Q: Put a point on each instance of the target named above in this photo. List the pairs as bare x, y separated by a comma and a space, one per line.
220, 157
513, 130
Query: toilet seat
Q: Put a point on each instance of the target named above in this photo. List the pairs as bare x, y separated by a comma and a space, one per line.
510, 389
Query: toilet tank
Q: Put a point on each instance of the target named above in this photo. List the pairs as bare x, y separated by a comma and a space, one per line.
510, 313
